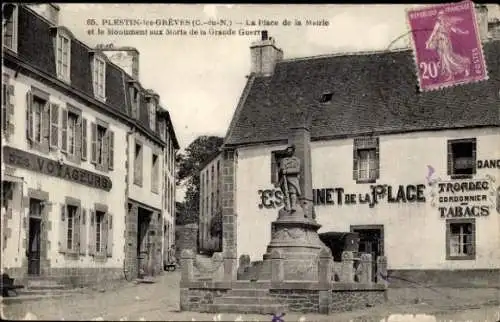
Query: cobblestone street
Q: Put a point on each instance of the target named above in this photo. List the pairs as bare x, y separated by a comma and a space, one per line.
160, 301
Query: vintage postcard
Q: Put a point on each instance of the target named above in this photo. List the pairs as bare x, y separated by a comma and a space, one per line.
256, 162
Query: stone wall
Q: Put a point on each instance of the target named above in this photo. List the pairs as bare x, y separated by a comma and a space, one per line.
353, 299
198, 299
444, 278
302, 301
186, 237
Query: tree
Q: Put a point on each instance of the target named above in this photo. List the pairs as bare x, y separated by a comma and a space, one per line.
189, 166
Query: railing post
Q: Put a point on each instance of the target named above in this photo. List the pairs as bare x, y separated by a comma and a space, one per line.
277, 268
366, 269
382, 271
187, 260
325, 267
347, 267
218, 262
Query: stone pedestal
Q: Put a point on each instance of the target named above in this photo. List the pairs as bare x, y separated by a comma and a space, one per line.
295, 237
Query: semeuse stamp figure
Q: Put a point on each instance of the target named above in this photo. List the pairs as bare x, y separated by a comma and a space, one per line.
447, 45
288, 178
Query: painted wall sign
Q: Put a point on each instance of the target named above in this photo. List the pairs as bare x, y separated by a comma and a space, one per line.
53, 168
273, 198
488, 164
463, 198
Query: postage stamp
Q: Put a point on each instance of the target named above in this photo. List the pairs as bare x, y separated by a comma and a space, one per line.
447, 45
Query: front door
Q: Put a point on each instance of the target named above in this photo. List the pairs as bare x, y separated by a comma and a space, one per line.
371, 241
34, 241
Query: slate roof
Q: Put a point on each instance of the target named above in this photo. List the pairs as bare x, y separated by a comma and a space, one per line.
372, 93
36, 48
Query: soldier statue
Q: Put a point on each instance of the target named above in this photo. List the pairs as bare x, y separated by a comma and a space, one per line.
288, 178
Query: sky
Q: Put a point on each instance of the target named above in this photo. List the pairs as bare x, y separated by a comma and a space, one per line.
200, 78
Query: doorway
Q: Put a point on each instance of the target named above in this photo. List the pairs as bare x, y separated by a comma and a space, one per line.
144, 244
371, 241
34, 234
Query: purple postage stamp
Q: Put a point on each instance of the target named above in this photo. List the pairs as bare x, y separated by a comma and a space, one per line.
447, 45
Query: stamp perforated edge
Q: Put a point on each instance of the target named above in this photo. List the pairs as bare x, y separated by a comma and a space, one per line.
413, 47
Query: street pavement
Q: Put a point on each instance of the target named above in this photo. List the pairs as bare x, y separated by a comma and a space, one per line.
159, 301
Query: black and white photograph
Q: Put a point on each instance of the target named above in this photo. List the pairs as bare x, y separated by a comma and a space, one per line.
250, 162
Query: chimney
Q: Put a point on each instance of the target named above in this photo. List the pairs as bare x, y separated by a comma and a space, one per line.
127, 58
49, 11
264, 55
482, 21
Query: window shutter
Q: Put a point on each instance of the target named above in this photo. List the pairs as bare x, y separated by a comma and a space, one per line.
105, 149
63, 229
9, 113
84, 139
83, 232
64, 131
92, 225
93, 144
450, 158
474, 163
78, 137
54, 126
111, 153
355, 161
104, 235
76, 232
377, 158
29, 116
110, 236
46, 124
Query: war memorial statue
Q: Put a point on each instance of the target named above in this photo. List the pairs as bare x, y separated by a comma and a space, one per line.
288, 167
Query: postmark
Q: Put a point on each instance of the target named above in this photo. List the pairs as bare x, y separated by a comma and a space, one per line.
446, 45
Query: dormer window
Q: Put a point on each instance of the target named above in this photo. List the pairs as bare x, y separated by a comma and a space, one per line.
63, 55
99, 77
10, 26
135, 101
152, 114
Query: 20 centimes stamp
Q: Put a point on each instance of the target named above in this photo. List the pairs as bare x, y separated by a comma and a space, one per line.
447, 45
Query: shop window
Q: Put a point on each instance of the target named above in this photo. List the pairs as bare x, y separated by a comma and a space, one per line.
460, 239
462, 158
366, 160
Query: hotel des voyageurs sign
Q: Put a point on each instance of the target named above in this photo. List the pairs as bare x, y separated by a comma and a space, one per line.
53, 168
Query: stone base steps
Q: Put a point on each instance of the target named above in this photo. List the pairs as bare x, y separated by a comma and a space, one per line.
247, 300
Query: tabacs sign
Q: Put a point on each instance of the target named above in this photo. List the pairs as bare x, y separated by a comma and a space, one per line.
463, 198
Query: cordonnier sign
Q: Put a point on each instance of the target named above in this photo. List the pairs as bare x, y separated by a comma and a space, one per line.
464, 198
273, 198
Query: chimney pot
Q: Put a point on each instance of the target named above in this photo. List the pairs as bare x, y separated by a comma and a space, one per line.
264, 34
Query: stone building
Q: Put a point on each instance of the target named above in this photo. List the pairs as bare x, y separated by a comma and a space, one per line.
69, 130
415, 174
210, 202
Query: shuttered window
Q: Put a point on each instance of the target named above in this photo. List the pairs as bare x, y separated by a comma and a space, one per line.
462, 158
138, 164
84, 139
54, 126
102, 146
7, 106
155, 172
366, 159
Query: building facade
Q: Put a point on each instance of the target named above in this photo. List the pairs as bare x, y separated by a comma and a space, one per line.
67, 126
210, 203
415, 174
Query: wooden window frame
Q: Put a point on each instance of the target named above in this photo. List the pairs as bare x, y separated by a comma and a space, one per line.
43, 145
103, 158
60, 37
97, 62
363, 144
138, 164
155, 172
15, 29
451, 159
449, 222
76, 156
